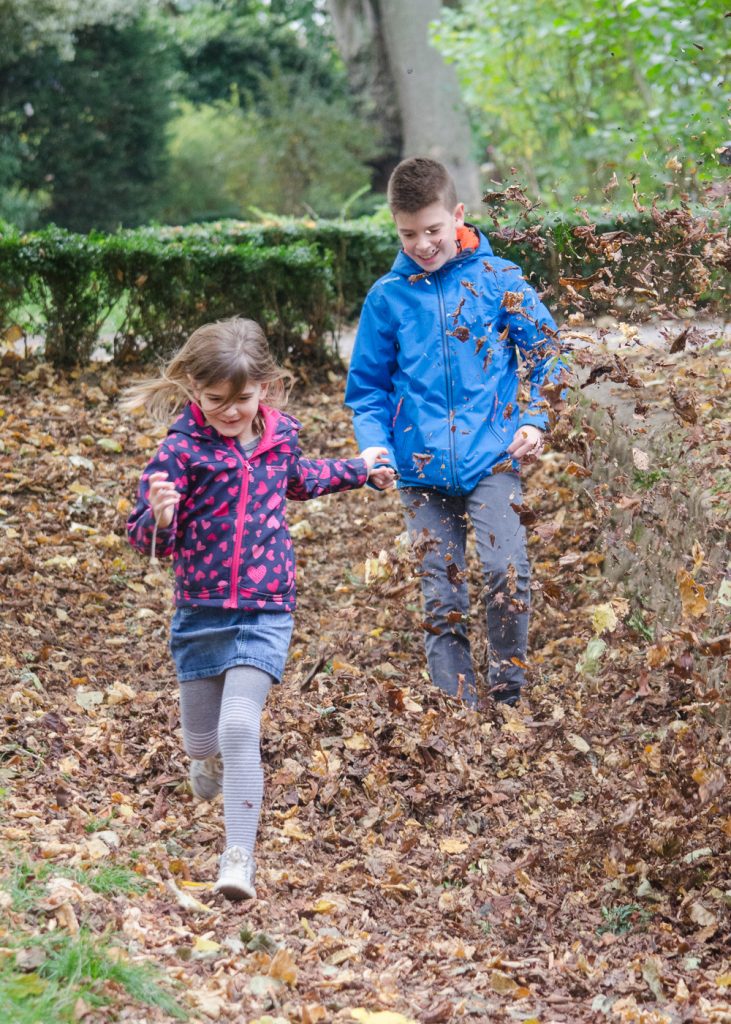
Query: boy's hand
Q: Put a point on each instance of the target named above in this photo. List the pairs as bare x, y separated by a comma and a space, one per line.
163, 499
527, 444
380, 474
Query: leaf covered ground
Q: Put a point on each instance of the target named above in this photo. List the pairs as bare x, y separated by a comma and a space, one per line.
565, 861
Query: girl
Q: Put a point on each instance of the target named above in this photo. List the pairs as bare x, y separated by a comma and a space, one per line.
213, 498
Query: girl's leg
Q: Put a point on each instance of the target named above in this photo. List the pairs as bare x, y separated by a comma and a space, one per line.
244, 694
200, 704
437, 523
501, 544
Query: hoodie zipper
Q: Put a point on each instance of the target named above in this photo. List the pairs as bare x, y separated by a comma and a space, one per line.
449, 381
240, 529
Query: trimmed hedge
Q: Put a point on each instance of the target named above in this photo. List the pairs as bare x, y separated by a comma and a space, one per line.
300, 278
65, 286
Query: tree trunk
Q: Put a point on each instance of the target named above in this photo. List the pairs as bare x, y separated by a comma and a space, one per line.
432, 113
405, 86
360, 40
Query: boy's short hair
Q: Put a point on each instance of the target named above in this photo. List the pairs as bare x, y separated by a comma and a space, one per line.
418, 182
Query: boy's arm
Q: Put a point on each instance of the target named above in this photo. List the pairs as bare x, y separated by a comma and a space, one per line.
534, 331
141, 522
370, 377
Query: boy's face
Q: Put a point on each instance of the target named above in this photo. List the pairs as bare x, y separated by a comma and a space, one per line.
429, 236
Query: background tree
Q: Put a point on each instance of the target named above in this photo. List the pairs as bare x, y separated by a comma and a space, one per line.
570, 93
265, 118
95, 125
404, 84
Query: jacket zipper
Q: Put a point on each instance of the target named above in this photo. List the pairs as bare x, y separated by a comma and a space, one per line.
450, 386
240, 529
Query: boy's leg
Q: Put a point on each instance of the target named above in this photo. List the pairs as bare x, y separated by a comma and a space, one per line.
501, 545
437, 522
245, 692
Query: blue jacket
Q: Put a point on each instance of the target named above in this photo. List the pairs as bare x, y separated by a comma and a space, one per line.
434, 375
229, 540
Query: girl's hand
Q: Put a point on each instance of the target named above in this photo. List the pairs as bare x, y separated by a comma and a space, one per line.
380, 474
163, 498
527, 443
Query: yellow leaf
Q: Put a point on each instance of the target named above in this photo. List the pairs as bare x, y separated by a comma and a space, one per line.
453, 845
344, 666
202, 945
604, 619
502, 983
657, 655
380, 1017
301, 529
358, 741
579, 743
283, 967
313, 1013
81, 489
119, 693
692, 595
13, 334
292, 829
724, 981
324, 907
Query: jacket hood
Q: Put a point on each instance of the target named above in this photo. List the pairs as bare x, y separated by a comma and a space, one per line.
278, 426
473, 244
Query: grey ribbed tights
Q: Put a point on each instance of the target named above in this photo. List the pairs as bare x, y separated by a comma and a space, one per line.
223, 713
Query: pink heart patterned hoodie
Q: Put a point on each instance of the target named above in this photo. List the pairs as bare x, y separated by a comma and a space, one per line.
229, 540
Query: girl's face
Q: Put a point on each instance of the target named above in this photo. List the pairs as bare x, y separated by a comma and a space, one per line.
234, 420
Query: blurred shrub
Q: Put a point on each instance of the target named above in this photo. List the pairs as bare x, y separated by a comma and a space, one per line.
295, 152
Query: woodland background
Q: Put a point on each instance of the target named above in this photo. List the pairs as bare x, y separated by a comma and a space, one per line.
566, 861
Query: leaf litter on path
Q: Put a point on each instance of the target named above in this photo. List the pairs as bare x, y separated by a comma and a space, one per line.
417, 860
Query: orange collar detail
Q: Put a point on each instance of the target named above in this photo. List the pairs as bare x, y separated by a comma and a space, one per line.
467, 238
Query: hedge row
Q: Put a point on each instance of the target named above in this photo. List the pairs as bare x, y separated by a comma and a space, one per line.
65, 286
299, 278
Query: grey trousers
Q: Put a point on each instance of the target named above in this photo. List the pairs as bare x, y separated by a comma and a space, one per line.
437, 523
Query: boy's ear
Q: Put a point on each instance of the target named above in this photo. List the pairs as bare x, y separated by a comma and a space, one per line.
459, 214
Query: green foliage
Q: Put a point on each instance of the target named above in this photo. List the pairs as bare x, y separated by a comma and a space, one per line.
621, 920
94, 128
240, 46
172, 287
570, 92
297, 151
60, 276
73, 967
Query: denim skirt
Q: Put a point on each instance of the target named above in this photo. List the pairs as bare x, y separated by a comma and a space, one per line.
205, 642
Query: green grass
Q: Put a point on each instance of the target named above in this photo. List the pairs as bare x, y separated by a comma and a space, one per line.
27, 881
623, 919
70, 968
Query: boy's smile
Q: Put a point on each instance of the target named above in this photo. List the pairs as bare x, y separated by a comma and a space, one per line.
429, 236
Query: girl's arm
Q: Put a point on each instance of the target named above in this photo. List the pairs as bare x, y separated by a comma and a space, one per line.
310, 478
164, 470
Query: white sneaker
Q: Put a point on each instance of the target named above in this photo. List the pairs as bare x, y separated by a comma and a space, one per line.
206, 777
237, 874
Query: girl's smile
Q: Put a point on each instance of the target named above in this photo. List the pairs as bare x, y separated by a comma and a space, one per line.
234, 420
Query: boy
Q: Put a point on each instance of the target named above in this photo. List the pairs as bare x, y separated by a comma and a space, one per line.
434, 379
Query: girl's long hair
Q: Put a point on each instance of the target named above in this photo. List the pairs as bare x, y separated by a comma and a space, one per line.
230, 353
